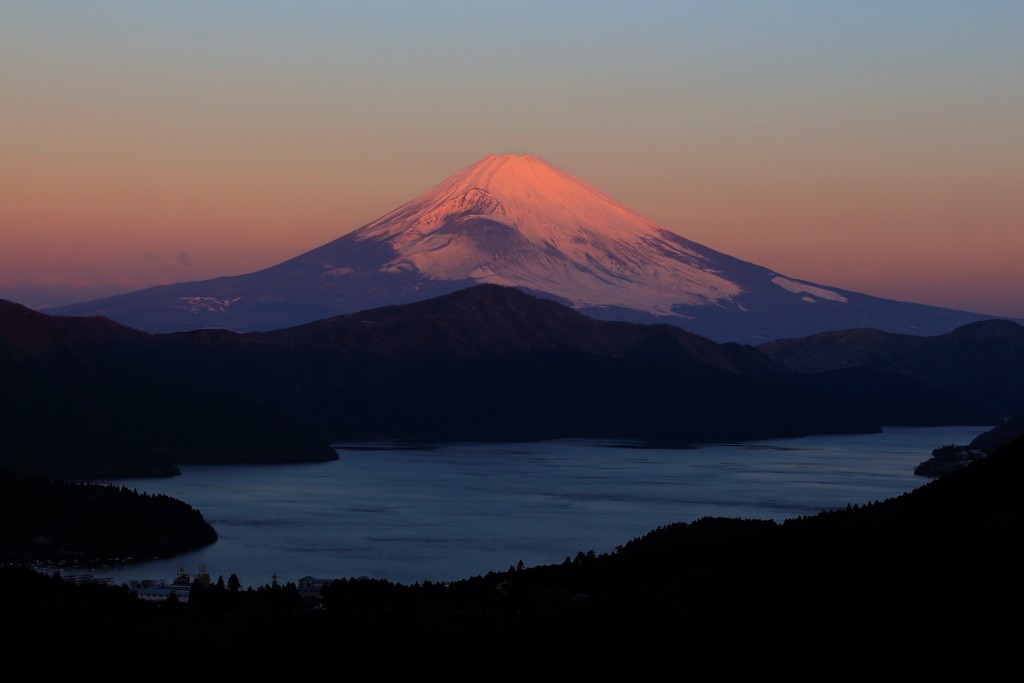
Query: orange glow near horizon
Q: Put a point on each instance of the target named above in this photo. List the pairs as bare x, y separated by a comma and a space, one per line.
869, 147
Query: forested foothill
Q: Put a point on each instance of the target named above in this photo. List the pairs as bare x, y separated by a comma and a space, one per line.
80, 523
950, 457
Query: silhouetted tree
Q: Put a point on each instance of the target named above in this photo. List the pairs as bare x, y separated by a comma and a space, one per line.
196, 593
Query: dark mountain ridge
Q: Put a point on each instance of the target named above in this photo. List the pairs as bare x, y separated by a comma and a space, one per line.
88, 397
492, 363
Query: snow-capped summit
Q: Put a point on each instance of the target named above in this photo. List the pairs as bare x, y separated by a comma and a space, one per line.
515, 220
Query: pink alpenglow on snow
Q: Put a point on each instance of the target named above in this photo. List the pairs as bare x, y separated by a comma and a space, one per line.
515, 220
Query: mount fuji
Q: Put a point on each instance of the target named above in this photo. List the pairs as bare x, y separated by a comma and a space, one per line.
515, 220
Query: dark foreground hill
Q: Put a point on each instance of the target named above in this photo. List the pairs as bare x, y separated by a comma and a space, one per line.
930, 579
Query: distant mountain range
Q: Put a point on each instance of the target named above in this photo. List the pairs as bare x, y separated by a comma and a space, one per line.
517, 221
91, 397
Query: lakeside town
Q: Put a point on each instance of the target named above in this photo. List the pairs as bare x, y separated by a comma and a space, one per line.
161, 590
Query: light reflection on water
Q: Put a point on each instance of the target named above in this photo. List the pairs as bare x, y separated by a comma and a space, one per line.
461, 510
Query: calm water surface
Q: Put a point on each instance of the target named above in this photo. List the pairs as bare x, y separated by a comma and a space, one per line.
466, 509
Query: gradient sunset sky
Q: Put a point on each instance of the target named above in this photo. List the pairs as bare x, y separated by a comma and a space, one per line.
876, 146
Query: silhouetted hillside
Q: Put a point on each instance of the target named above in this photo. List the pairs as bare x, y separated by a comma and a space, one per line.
493, 363
1005, 431
951, 457
72, 523
86, 398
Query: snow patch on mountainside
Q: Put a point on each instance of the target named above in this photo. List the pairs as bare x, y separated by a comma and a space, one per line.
205, 304
801, 288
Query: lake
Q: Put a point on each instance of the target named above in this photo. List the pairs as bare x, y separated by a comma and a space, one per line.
466, 509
